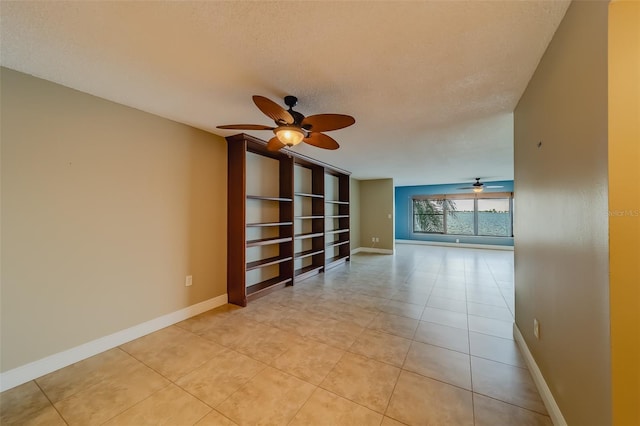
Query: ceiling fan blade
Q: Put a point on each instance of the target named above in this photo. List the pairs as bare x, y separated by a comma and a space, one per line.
321, 141
274, 144
246, 127
494, 186
467, 187
327, 122
273, 110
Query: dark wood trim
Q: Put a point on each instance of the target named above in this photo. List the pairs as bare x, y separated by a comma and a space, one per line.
267, 241
310, 235
307, 253
269, 224
236, 232
262, 263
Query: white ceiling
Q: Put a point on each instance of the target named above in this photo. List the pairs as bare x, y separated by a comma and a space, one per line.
432, 84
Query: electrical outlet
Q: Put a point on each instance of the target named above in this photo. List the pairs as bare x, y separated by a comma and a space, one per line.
536, 328
377, 239
188, 281
373, 239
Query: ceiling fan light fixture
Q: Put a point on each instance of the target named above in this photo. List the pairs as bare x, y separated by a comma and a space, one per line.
289, 135
478, 189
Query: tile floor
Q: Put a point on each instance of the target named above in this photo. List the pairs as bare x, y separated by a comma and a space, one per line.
423, 337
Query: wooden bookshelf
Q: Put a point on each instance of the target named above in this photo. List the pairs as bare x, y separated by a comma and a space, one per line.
278, 211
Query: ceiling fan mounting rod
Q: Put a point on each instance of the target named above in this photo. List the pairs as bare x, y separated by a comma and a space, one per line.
290, 101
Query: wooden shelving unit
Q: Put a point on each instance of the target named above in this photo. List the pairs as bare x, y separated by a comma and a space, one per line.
282, 225
309, 218
337, 249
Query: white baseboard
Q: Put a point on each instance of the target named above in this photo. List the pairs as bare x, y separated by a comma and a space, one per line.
547, 397
371, 250
19, 375
463, 245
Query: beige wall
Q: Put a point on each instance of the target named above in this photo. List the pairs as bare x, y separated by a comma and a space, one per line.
376, 205
561, 223
624, 208
105, 210
354, 213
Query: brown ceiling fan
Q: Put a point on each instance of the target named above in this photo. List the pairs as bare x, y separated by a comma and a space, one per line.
293, 127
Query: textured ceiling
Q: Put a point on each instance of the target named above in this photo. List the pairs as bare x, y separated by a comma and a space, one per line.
432, 84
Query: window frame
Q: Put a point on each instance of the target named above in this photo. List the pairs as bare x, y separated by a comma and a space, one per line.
473, 196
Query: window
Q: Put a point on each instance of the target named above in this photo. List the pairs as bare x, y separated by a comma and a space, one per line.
428, 216
482, 214
494, 217
460, 217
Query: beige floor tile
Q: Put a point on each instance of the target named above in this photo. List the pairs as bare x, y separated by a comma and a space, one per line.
416, 297
491, 412
172, 351
489, 311
447, 304
206, 320
335, 333
403, 309
394, 324
491, 326
353, 314
438, 363
264, 312
231, 333
170, 406
364, 301
308, 360
82, 375
297, 321
382, 347
362, 380
326, 408
270, 398
506, 383
446, 293
111, 396
219, 377
496, 349
388, 421
267, 343
445, 317
451, 283
490, 298
452, 338
214, 418
27, 405
259, 341
418, 400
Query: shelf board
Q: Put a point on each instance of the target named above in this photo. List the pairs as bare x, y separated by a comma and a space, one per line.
309, 217
268, 241
266, 262
335, 261
270, 224
308, 253
337, 216
336, 202
338, 243
306, 194
307, 269
311, 235
261, 286
260, 197
337, 231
